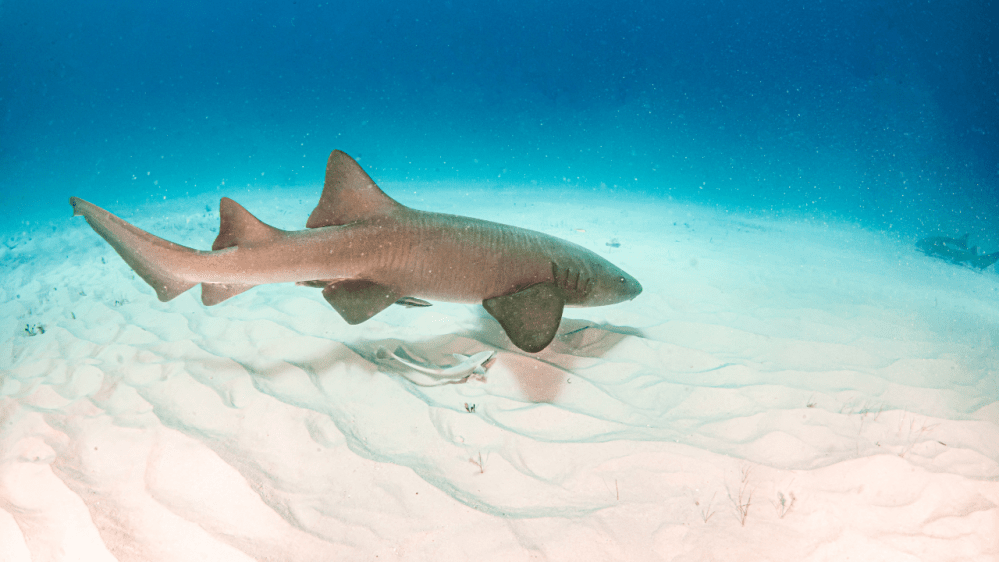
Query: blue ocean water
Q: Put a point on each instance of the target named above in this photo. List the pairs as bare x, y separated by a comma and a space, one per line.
819, 357
881, 112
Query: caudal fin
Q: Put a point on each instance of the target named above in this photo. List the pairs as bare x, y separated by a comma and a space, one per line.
156, 260
985, 260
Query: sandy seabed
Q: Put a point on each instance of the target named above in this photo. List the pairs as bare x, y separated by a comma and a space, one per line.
785, 389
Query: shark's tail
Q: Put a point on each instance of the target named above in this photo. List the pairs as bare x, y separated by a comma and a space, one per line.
985, 260
159, 262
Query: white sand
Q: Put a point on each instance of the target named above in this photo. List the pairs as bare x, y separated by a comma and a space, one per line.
833, 367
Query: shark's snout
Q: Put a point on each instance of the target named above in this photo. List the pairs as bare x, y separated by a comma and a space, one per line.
632, 288
614, 286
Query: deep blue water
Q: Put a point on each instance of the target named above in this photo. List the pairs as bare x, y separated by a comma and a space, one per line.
885, 113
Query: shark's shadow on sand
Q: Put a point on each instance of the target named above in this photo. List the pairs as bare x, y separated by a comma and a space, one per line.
540, 377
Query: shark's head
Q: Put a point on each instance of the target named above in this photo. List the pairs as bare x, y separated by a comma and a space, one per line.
613, 285
594, 281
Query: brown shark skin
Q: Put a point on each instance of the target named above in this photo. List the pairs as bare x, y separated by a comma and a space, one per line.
359, 234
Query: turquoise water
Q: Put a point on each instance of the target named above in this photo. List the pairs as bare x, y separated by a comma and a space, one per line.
884, 113
763, 169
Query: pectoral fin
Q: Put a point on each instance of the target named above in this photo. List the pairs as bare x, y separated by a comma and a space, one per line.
529, 317
358, 300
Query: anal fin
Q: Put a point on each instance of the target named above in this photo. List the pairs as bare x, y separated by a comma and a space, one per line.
214, 293
530, 317
358, 300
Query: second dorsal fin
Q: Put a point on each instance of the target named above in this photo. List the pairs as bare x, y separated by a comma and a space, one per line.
237, 226
349, 195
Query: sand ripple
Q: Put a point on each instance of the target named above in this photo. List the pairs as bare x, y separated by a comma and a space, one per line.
265, 429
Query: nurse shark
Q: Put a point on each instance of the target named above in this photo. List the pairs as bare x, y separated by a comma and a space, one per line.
367, 251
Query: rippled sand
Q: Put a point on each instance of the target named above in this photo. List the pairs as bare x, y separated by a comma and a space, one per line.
837, 385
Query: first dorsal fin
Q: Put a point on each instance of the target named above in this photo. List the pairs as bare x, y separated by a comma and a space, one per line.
237, 226
349, 195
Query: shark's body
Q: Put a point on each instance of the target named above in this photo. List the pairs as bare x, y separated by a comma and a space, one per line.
367, 251
956, 250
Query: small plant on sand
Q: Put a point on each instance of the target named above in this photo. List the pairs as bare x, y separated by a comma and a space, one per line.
34, 329
478, 463
744, 498
706, 511
783, 503
866, 410
912, 431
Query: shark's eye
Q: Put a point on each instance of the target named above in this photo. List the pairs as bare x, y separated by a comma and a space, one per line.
621, 279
